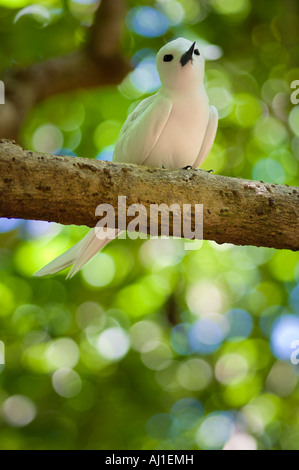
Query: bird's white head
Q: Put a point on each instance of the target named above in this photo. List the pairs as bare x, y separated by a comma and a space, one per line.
180, 64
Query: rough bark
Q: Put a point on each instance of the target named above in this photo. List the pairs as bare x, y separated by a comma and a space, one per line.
99, 63
68, 190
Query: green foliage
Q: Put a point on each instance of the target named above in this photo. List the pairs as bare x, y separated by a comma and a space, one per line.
151, 346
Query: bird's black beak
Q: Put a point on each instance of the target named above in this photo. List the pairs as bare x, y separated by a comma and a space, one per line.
188, 55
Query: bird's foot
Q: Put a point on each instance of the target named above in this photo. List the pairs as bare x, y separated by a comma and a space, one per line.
188, 167
207, 171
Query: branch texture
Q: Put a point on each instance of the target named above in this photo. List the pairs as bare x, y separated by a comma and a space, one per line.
68, 190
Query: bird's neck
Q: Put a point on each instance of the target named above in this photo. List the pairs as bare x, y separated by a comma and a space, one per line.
191, 92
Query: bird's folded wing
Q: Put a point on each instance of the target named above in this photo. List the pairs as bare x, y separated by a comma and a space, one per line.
208, 138
142, 129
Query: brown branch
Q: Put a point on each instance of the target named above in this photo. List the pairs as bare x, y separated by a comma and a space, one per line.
100, 63
68, 190
107, 29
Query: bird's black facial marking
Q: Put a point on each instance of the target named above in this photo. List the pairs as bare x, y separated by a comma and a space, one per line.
168, 58
187, 56
196, 52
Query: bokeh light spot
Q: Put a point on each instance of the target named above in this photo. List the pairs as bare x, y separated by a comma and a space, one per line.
66, 382
240, 324
215, 430
195, 374
147, 21
99, 271
47, 138
205, 336
294, 120
179, 339
113, 344
18, 411
231, 369
145, 77
7, 225
268, 170
187, 412
162, 426
285, 330
241, 441
63, 352
173, 10
38, 12
143, 334
156, 355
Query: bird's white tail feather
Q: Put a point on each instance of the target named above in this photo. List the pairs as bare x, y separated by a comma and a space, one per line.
85, 249
63, 261
88, 250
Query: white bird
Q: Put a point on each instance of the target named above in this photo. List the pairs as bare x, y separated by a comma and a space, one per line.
174, 128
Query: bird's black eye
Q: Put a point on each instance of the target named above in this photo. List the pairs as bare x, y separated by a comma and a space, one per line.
196, 52
168, 58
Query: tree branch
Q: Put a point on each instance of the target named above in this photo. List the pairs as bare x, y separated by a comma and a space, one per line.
68, 190
100, 63
107, 29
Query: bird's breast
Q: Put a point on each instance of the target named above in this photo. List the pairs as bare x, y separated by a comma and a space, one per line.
181, 139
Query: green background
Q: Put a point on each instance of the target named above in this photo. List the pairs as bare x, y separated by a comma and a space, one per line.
151, 346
